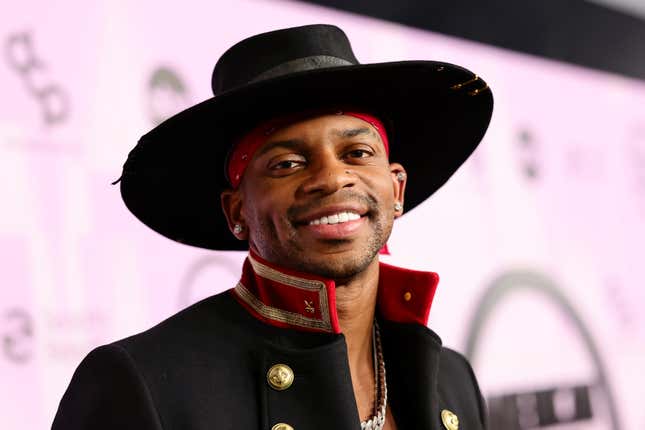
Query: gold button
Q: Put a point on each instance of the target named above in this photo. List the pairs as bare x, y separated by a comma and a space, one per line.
282, 426
407, 296
280, 377
450, 420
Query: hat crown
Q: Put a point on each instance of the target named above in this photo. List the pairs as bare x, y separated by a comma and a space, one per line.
282, 52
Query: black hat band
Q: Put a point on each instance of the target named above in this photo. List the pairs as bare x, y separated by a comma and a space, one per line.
302, 64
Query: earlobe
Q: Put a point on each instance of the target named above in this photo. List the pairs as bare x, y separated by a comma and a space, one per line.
232, 207
399, 180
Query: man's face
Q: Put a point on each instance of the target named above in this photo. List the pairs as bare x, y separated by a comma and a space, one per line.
318, 197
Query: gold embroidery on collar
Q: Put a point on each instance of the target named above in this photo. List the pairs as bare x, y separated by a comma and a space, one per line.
302, 283
270, 312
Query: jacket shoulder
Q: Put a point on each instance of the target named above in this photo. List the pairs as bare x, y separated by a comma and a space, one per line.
163, 372
107, 391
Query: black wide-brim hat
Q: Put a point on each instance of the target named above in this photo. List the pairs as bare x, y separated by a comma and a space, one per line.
435, 115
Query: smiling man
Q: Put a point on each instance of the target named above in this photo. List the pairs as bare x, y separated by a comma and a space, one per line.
303, 145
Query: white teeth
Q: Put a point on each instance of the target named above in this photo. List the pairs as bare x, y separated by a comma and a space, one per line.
336, 218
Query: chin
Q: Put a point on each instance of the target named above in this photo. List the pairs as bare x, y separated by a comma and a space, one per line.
341, 265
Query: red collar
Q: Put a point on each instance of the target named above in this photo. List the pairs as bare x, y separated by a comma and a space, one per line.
290, 299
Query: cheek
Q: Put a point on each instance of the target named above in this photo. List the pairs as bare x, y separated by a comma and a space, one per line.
264, 206
382, 185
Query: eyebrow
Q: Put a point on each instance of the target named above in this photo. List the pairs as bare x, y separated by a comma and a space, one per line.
288, 144
353, 132
297, 143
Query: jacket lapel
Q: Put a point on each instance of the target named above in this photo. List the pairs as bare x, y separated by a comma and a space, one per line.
321, 396
411, 354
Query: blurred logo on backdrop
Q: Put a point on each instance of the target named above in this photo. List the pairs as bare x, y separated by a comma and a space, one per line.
547, 370
17, 333
624, 305
23, 57
635, 158
528, 152
167, 94
71, 334
210, 275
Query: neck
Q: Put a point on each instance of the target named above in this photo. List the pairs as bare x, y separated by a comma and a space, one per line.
355, 306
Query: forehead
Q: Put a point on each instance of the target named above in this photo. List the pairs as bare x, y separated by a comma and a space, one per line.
323, 126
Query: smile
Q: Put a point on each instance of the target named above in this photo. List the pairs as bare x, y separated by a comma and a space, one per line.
337, 218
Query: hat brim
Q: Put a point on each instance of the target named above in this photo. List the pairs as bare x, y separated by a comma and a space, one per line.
435, 116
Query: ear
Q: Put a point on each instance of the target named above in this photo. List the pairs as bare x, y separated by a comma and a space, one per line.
231, 201
399, 179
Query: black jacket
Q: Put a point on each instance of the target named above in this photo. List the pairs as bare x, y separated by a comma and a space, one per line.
205, 368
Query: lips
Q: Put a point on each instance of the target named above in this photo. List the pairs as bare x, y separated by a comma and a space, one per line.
337, 218
332, 214
346, 230
336, 222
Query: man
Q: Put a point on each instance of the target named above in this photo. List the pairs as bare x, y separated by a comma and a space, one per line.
317, 334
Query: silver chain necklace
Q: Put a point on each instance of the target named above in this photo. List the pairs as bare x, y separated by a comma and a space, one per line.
377, 421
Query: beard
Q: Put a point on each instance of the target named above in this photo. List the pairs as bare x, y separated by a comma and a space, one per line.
343, 266
351, 258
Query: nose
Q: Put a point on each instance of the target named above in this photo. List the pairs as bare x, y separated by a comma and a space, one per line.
327, 176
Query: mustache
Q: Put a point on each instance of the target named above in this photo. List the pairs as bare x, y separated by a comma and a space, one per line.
348, 196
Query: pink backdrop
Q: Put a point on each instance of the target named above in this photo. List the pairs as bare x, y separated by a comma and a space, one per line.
538, 239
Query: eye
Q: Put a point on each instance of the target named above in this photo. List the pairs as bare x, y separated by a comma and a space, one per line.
359, 153
285, 164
